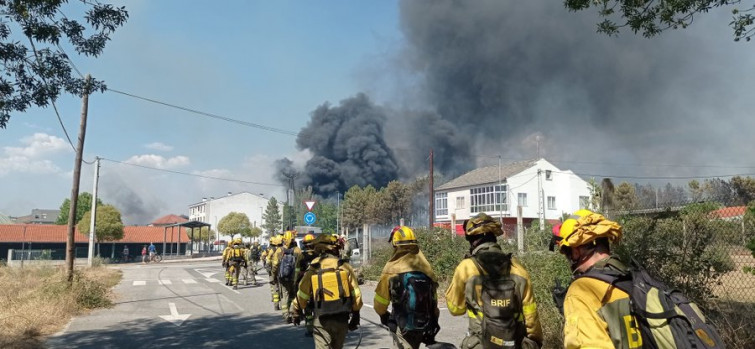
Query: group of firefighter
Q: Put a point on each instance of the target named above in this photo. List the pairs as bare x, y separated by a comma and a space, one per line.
607, 305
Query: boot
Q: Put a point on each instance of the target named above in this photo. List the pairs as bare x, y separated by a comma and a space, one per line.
235, 287
277, 306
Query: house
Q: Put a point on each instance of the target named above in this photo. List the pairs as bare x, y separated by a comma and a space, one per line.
169, 220
39, 216
499, 190
212, 210
53, 237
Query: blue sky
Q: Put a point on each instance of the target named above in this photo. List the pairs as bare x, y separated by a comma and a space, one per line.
265, 62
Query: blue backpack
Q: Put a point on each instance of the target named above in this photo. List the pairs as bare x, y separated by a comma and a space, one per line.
287, 267
413, 300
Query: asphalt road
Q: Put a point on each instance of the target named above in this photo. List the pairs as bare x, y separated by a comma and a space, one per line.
186, 305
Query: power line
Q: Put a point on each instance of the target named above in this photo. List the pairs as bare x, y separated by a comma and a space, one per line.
656, 177
215, 116
193, 174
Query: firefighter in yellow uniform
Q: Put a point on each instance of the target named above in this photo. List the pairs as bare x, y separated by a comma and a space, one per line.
287, 269
226, 252
236, 259
597, 315
491, 273
275, 243
331, 285
408, 273
308, 254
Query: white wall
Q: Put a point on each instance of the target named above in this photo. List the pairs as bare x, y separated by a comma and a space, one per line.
215, 209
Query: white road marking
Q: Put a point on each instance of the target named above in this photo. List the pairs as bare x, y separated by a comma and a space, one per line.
174, 317
206, 274
212, 280
139, 283
165, 282
189, 281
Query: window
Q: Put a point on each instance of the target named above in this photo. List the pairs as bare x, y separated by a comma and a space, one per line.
441, 204
459, 202
584, 202
551, 202
488, 199
548, 175
522, 199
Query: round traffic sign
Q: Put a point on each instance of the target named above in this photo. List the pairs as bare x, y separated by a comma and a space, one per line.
309, 218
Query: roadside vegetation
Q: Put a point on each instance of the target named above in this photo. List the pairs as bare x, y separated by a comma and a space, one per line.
36, 302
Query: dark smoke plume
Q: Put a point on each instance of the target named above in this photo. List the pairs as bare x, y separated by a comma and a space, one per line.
347, 147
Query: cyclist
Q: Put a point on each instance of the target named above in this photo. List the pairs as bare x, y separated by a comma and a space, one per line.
152, 252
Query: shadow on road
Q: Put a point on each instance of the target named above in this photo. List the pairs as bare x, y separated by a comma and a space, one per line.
231, 331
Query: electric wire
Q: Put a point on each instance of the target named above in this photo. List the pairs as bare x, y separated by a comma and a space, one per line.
192, 174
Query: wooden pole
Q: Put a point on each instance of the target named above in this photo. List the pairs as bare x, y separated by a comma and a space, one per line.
70, 243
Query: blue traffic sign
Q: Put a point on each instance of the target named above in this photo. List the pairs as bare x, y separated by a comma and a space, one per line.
309, 218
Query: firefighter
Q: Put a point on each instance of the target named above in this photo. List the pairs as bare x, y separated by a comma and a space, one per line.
409, 283
226, 252
336, 307
488, 272
308, 254
251, 263
236, 259
286, 267
275, 243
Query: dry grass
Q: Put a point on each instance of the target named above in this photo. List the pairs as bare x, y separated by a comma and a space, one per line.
37, 302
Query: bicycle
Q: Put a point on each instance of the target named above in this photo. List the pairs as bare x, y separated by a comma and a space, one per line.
156, 258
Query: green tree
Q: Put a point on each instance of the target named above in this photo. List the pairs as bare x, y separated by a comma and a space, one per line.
107, 227
272, 216
36, 70
234, 223
653, 17
200, 234
696, 190
625, 197
391, 203
83, 206
357, 204
326, 215
252, 232
744, 189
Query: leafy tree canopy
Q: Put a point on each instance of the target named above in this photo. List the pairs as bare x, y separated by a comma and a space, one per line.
83, 205
234, 223
36, 69
107, 227
651, 17
200, 234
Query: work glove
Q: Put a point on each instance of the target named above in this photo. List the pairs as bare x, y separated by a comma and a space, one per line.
296, 319
429, 336
385, 317
354, 322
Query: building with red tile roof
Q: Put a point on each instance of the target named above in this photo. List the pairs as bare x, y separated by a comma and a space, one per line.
729, 213
169, 220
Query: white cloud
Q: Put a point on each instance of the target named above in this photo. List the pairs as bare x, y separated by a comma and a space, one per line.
158, 161
158, 146
29, 158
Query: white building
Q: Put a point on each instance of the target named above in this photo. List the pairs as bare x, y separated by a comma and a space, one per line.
212, 210
498, 190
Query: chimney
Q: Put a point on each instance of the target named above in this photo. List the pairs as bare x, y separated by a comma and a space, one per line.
204, 199
229, 193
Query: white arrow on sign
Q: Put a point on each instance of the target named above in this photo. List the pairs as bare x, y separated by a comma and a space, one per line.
309, 204
174, 317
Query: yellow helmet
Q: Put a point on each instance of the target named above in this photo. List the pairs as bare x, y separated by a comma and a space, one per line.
402, 235
584, 227
325, 242
482, 224
275, 240
309, 239
236, 241
288, 236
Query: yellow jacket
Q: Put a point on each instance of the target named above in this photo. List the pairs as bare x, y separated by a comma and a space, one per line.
226, 253
279, 254
325, 261
598, 316
405, 259
466, 270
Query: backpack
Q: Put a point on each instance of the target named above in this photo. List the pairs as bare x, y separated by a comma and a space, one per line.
236, 254
287, 267
254, 253
666, 317
332, 292
414, 302
501, 302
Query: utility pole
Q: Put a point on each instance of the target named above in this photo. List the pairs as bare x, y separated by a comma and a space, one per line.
70, 244
499, 192
540, 200
432, 193
93, 220
338, 212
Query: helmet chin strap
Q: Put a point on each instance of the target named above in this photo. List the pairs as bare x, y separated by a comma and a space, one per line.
584, 256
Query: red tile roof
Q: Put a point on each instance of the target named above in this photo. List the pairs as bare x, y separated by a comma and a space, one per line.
730, 212
169, 219
58, 233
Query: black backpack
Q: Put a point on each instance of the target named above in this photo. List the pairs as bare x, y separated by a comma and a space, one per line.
666, 317
287, 266
254, 253
414, 302
501, 302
